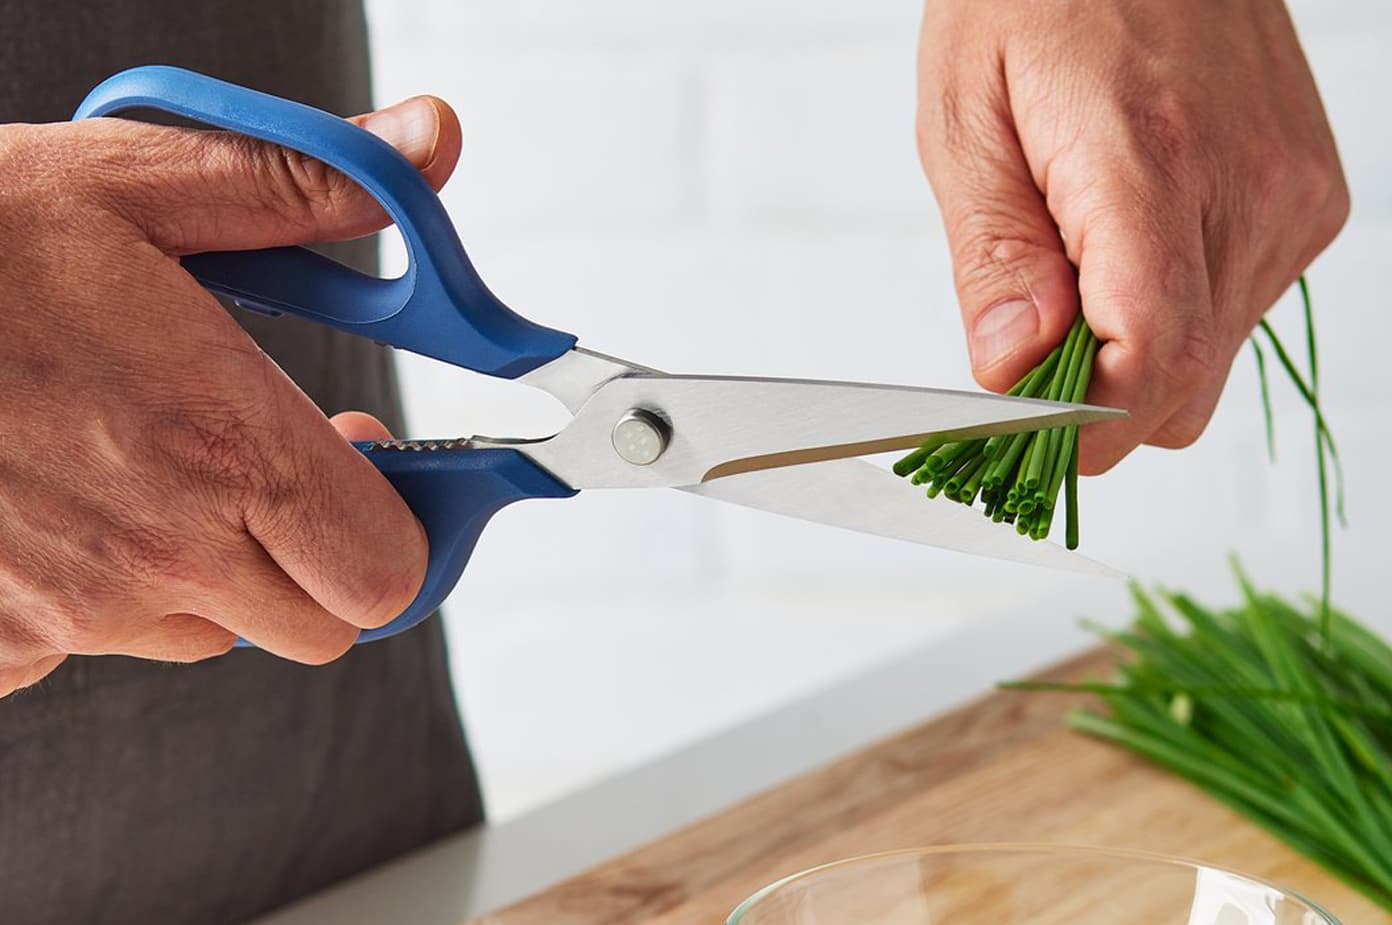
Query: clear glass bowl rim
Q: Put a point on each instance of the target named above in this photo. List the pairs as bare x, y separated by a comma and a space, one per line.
1047, 848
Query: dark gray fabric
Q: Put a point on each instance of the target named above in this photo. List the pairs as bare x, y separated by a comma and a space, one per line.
142, 793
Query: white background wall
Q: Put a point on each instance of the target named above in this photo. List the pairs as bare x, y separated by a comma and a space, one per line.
731, 186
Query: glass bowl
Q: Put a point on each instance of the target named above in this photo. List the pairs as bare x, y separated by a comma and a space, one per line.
1019, 884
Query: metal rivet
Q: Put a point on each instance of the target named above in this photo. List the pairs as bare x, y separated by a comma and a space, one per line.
639, 437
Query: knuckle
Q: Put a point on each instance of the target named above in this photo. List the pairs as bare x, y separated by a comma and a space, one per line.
289, 500
1187, 357
1310, 184
298, 187
390, 595
1179, 347
374, 591
220, 647
327, 646
1265, 174
1163, 124
199, 642
1329, 188
1318, 178
1181, 430
213, 444
292, 186
988, 255
1004, 251
280, 492
215, 648
373, 578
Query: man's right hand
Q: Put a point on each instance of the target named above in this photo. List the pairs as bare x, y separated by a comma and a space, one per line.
164, 487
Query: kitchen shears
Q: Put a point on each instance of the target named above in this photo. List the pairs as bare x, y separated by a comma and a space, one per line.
782, 445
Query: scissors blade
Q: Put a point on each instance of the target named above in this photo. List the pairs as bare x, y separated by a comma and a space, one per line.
574, 376
857, 495
718, 426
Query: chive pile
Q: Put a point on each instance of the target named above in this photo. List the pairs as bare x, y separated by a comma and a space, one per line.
1017, 477
1253, 704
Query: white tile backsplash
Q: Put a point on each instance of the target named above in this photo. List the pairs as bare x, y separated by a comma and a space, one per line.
821, 137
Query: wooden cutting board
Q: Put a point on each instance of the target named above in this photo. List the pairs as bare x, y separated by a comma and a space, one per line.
1003, 768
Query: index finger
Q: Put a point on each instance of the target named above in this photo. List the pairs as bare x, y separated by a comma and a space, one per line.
1143, 278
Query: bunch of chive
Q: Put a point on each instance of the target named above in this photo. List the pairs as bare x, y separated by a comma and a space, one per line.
1256, 706
1282, 712
1018, 476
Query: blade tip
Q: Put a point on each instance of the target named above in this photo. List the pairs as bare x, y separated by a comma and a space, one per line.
1105, 413
1097, 569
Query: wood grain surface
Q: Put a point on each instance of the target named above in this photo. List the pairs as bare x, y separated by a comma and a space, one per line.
1001, 769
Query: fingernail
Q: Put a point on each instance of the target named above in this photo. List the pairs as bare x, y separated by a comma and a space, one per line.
409, 126
1001, 330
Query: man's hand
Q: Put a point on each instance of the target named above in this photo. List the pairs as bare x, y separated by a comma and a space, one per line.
1174, 152
164, 487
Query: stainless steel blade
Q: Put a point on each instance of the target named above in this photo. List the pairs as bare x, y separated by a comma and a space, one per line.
857, 495
706, 428
578, 373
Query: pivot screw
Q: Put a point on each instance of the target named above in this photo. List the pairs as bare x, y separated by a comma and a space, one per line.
640, 437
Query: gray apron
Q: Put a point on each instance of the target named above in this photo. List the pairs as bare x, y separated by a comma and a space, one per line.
145, 793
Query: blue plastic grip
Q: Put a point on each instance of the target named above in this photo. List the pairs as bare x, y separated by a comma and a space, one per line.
454, 493
439, 307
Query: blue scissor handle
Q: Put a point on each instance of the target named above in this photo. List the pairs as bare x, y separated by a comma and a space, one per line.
454, 493
439, 307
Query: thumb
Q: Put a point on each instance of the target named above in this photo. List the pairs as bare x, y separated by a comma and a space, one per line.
195, 190
423, 128
1017, 289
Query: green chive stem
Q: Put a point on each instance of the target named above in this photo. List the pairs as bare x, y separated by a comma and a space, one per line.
1265, 398
1070, 495
916, 459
